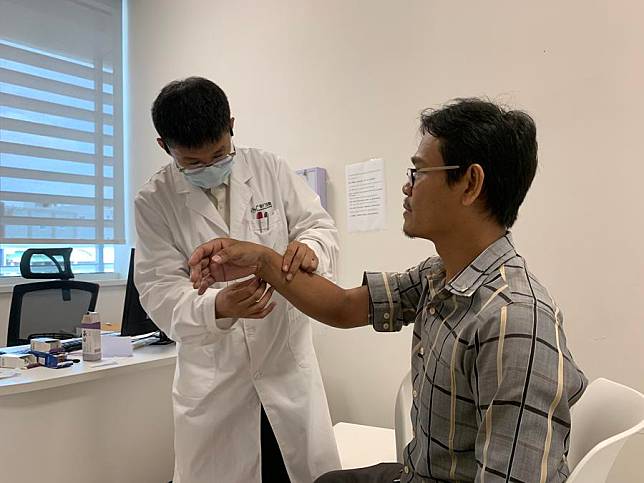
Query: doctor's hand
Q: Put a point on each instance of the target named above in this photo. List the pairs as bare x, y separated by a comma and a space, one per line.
223, 259
248, 299
298, 256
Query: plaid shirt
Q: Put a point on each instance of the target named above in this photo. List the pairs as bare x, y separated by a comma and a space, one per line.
493, 380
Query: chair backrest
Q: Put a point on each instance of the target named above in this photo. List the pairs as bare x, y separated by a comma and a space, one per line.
602, 420
52, 309
402, 416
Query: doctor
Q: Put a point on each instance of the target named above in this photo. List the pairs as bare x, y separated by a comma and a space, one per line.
249, 404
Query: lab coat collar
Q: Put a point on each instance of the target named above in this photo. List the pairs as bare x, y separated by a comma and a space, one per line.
196, 199
240, 194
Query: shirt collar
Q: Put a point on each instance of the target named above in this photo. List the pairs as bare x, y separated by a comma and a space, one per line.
474, 275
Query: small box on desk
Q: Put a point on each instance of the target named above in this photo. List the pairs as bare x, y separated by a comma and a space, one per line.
16, 361
45, 344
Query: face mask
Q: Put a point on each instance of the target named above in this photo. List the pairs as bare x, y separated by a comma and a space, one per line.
211, 176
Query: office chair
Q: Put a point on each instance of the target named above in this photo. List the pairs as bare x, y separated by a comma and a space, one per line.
53, 308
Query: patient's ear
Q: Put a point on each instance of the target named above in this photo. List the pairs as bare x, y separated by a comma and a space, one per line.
473, 177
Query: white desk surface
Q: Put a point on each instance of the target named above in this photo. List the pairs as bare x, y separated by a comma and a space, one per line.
39, 378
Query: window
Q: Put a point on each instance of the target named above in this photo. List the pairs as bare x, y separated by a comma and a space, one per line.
61, 150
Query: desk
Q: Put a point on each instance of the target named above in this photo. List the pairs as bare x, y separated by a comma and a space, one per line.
108, 423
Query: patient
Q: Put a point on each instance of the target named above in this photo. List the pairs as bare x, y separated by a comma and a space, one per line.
493, 379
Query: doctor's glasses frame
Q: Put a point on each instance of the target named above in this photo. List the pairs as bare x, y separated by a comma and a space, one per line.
200, 168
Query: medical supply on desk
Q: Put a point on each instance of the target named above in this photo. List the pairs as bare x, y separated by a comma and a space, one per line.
91, 335
53, 361
17, 361
45, 344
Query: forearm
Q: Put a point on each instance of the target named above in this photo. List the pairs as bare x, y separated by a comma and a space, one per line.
316, 296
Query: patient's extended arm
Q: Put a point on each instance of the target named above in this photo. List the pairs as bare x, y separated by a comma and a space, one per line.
225, 259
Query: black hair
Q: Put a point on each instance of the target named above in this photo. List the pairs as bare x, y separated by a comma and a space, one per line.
191, 113
503, 142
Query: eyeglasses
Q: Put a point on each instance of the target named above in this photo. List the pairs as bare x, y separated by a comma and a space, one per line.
201, 167
412, 172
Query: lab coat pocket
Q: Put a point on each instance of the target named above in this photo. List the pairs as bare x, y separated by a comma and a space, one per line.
268, 230
195, 372
300, 341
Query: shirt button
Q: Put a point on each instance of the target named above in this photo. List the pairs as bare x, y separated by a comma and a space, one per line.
386, 316
432, 310
406, 470
422, 351
415, 393
385, 325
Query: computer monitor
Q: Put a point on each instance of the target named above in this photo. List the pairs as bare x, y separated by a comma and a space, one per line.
135, 320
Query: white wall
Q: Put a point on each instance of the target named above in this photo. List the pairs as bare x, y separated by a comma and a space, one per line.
336, 82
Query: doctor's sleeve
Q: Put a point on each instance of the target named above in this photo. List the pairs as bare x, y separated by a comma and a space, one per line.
308, 222
163, 280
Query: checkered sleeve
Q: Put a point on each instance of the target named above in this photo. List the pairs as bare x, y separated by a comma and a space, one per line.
521, 378
394, 297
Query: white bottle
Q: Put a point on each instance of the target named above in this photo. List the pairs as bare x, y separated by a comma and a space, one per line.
91, 334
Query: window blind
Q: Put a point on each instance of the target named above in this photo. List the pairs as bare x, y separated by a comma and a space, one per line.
61, 150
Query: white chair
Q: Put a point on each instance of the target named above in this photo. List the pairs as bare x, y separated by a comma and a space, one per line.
402, 414
602, 420
361, 445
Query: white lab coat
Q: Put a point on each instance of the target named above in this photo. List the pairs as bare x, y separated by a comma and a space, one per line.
222, 375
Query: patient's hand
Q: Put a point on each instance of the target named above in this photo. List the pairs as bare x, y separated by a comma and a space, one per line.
223, 259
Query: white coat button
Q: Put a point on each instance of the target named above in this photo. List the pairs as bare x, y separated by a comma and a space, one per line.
422, 351
385, 325
432, 310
